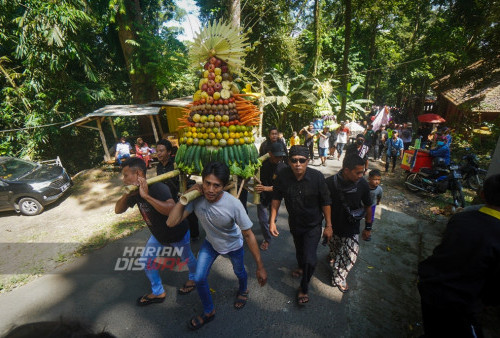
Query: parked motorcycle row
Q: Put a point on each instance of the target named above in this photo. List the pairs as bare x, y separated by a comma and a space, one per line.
441, 178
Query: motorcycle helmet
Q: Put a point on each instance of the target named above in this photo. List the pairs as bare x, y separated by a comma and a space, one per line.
439, 162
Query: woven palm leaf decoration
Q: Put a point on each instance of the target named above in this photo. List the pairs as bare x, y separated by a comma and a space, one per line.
221, 40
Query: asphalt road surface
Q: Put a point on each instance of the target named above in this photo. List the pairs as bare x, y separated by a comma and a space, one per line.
383, 300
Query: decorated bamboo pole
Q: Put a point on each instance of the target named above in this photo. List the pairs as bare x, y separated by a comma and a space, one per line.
256, 180
160, 178
194, 194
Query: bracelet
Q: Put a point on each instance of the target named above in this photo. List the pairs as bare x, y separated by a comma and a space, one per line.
368, 226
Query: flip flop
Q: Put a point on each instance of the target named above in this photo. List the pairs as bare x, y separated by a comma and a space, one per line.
342, 288
187, 289
145, 300
264, 245
302, 300
198, 323
240, 303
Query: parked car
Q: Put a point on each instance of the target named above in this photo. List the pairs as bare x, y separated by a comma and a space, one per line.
27, 187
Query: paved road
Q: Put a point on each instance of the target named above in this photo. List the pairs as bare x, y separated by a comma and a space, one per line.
383, 300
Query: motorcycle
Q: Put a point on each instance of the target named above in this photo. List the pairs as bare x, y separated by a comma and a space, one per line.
438, 180
472, 175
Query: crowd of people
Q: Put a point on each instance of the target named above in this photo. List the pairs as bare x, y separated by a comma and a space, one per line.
330, 209
387, 142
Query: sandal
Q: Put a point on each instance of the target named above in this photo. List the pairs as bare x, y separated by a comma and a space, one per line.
186, 289
199, 321
297, 273
146, 300
240, 303
302, 300
264, 245
342, 287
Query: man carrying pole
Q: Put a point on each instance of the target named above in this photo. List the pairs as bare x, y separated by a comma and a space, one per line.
155, 203
226, 224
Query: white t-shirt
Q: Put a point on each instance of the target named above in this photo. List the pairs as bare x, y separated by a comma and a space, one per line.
342, 136
222, 221
323, 141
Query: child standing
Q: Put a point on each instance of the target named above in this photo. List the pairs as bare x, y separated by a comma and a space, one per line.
376, 191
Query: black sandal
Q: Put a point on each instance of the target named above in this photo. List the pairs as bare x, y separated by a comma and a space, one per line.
186, 289
199, 323
145, 300
302, 300
240, 303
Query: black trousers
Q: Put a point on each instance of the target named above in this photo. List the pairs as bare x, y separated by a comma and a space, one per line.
449, 322
306, 244
310, 146
394, 158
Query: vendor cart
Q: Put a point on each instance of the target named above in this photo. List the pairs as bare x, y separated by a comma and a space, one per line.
414, 160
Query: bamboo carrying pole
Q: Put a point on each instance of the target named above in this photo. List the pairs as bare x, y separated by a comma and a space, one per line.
256, 180
194, 194
129, 188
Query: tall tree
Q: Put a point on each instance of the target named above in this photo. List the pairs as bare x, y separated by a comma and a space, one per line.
317, 36
345, 61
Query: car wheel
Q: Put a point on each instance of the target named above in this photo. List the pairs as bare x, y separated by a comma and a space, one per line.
30, 206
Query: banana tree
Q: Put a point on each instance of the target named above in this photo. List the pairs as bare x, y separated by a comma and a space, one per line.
354, 107
289, 101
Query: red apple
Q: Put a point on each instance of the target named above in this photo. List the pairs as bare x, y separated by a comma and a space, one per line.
217, 87
210, 91
211, 67
218, 63
211, 76
212, 60
204, 87
224, 69
206, 65
211, 83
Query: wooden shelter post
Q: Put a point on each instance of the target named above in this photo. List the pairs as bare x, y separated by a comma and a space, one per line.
159, 125
154, 128
113, 128
103, 139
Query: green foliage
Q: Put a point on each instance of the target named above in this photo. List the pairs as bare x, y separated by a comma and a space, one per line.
60, 60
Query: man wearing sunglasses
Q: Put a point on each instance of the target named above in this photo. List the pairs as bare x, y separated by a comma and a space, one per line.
307, 201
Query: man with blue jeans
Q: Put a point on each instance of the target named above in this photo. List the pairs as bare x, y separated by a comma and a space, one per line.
155, 203
226, 224
122, 150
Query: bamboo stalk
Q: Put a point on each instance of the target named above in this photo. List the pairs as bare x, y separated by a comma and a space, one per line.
241, 188
189, 196
194, 194
160, 178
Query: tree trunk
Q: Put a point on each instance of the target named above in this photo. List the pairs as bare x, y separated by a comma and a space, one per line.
235, 13
371, 55
143, 90
317, 42
345, 62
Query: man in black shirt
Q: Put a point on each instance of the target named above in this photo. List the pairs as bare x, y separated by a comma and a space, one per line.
350, 194
265, 147
164, 151
155, 203
463, 273
268, 174
307, 200
359, 148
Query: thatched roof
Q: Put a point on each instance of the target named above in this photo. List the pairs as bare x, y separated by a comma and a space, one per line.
475, 88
